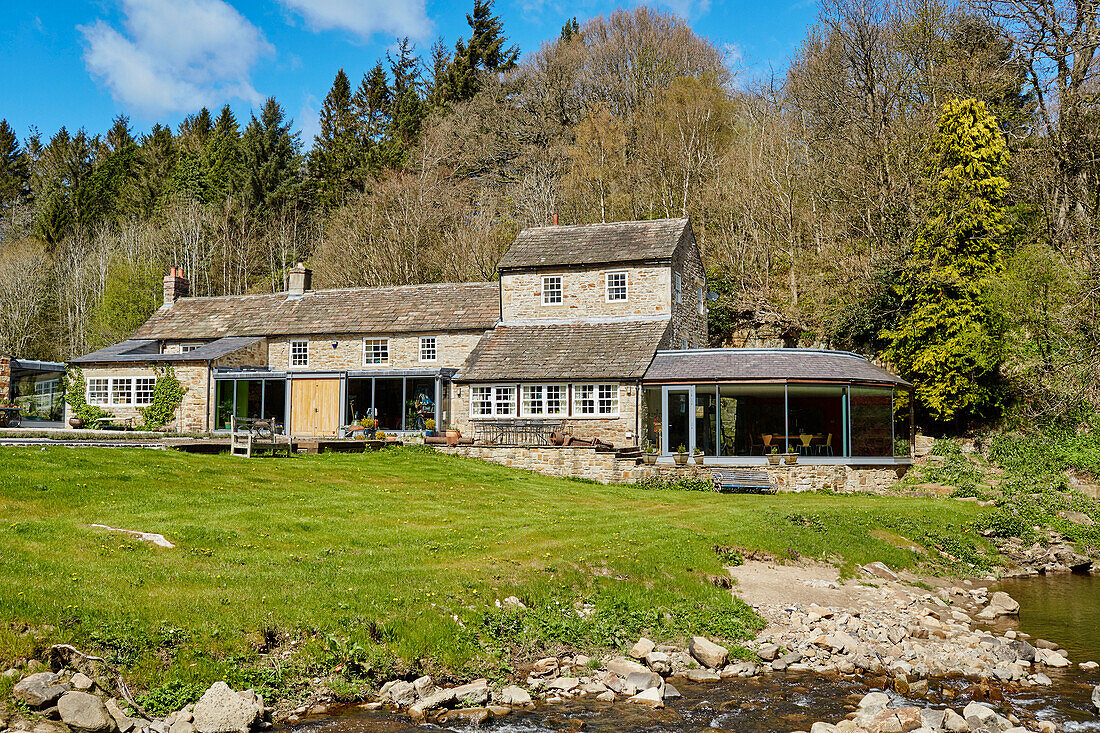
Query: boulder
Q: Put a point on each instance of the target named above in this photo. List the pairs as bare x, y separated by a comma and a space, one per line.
651, 698
668, 692
932, 719
472, 694
954, 722
643, 680
659, 662
1096, 698
400, 693
424, 686
1050, 658
707, 653
515, 696
81, 682
623, 667
643, 647
221, 710
1023, 650
985, 715
606, 696
701, 675
545, 667
182, 726
1077, 518
873, 702
768, 652
1004, 603
39, 690
123, 722
84, 712
820, 727
565, 684
880, 570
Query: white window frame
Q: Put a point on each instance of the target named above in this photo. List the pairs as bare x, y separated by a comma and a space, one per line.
144, 396
595, 393
304, 353
493, 400
105, 390
535, 400
434, 348
677, 287
185, 348
118, 382
607, 287
548, 293
504, 400
702, 300
481, 400
379, 351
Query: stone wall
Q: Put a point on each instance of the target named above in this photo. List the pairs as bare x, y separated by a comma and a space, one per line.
194, 376
452, 350
5, 378
688, 324
608, 468
620, 431
649, 293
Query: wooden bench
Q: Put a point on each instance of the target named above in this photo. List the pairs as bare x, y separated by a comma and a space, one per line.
743, 481
114, 423
249, 435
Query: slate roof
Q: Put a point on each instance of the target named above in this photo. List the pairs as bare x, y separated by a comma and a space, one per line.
595, 244
145, 350
564, 351
716, 365
400, 309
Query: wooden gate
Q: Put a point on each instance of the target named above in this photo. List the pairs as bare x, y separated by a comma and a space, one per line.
314, 407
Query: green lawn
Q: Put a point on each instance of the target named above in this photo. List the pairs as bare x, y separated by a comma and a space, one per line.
390, 560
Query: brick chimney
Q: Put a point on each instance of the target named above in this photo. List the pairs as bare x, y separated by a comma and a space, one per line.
176, 286
300, 280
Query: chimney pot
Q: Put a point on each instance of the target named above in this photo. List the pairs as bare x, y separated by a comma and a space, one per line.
554, 219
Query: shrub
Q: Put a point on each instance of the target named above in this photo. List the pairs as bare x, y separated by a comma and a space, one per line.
75, 390
170, 696
167, 395
675, 483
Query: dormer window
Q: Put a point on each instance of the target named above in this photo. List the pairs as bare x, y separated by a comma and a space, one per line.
615, 285
551, 290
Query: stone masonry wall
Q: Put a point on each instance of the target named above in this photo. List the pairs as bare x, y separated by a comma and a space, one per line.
609, 468
452, 350
191, 415
649, 293
5, 378
619, 431
688, 324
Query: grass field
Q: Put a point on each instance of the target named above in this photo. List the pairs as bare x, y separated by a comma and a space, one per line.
384, 561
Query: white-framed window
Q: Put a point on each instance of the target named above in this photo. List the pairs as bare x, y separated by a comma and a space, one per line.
299, 353
46, 387
677, 288
615, 286
122, 391
702, 300
596, 400
184, 348
551, 290
143, 390
543, 400
490, 400
99, 391
376, 351
429, 349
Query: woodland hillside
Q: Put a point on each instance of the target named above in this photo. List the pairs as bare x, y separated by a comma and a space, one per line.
921, 185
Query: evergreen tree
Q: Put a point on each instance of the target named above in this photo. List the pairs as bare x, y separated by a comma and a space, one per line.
483, 53
570, 30
157, 157
15, 176
372, 104
222, 157
270, 161
334, 161
106, 194
441, 61
407, 108
947, 341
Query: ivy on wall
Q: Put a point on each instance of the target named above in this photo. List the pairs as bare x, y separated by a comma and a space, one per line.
167, 395
76, 398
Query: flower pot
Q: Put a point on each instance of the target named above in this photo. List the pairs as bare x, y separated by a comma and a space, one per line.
76, 423
680, 458
773, 459
698, 459
791, 458
453, 434
649, 458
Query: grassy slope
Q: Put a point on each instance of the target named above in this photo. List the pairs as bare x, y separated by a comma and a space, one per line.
384, 550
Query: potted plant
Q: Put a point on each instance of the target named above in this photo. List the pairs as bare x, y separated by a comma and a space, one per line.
429, 428
369, 425
379, 435
681, 456
650, 455
773, 457
698, 456
790, 458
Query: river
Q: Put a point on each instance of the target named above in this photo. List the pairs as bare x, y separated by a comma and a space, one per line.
1062, 608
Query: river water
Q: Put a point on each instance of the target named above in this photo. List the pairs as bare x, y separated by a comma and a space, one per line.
1064, 609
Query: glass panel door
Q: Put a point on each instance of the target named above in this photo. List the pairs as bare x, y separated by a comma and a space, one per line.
706, 419
679, 419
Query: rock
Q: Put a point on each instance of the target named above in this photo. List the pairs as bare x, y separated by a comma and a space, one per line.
701, 675
1077, 518
1023, 650
707, 653
1050, 658
1096, 698
472, 694
909, 718
1004, 603
1047, 726
545, 667
1044, 644
643, 647
918, 688
932, 719
123, 722
954, 722
820, 727
659, 662
879, 570
565, 684
473, 717
606, 696
650, 697
182, 726
1088, 666
768, 652
644, 680
84, 712
81, 682
983, 713
1041, 679
424, 686
400, 693
668, 692
512, 695
873, 702
221, 710
786, 660
49, 726
623, 667
39, 690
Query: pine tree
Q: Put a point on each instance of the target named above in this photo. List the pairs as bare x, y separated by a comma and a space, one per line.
106, 194
570, 30
483, 53
222, 157
270, 160
372, 104
948, 341
15, 176
407, 109
334, 161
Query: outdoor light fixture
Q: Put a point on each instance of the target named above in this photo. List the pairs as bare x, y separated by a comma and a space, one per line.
335, 344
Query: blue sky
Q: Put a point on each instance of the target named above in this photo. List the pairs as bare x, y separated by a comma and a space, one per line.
80, 64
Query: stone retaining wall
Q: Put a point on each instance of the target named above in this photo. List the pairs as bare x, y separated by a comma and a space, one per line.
572, 462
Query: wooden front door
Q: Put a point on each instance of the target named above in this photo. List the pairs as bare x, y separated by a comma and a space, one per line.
314, 407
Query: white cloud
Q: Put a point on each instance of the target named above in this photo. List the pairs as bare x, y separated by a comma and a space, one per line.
175, 55
364, 18
687, 9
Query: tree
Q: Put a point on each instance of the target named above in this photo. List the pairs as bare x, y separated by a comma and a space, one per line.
948, 340
222, 157
130, 296
483, 53
270, 161
334, 161
15, 177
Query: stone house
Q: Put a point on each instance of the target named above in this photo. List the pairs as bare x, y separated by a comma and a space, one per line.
569, 338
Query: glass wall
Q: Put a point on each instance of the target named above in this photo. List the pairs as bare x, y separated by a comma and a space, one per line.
903, 447
752, 419
651, 417
419, 402
38, 395
706, 419
249, 398
358, 399
389, 399
398, 403
815, 419
872, 422
678, 424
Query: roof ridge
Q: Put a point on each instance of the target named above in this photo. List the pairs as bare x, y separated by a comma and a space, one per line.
606, 223
372, 288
